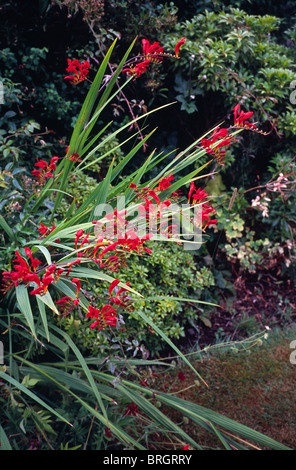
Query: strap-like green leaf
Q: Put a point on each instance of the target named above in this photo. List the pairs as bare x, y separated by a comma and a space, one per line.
7, 228
25, 306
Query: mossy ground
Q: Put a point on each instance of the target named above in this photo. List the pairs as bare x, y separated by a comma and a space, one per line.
256, 389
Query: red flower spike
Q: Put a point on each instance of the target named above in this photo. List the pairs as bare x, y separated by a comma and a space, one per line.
178, 45
152, 52
77, 282
213, 148
41, 164
164, 183
44, 230
186, 447
113, 285
71, 264
37, 174
198, 196
181, 376
121, 298
34, 261
85, 240
154, 196
79, 234
131, 410
43, 284
47, 280
79, 70
138, 69
28, 252
51, 269
75, 157
107, 432
66, 305
103, 317
240, 118
32, 278
145, 45
52, 164
45, 169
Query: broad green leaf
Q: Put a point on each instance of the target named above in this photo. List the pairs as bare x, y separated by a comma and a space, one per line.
25, 306
45, 252
4, 225
43, 316
47, 300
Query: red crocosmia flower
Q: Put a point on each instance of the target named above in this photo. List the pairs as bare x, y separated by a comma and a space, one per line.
37, 174
52, 165
44, 230
71, 264
34, 261
47, 280
133, 186
131, 410
41, 164
113, 285
196, 195
164, 183
75, 157
77, 282
51, 269
186, 447
107, 432
207, 212
79, 70
152, 52
112, 263
66, 305
107, 315
181, 376
138, 69
240, 118
32, 278
85, 240
46, 169
22, 272
42, 289
78, 235
154, 196
178, 45
121, 297
220, 138
199, 196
